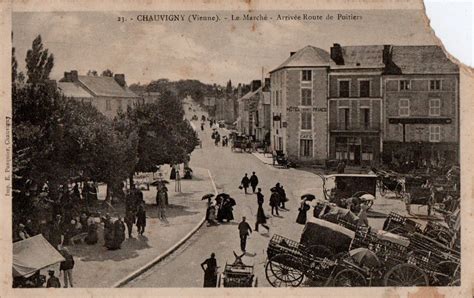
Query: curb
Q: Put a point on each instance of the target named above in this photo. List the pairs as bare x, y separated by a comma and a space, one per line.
158, 259
261, 159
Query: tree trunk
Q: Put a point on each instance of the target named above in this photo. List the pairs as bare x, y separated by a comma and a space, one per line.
130, 179
108, 192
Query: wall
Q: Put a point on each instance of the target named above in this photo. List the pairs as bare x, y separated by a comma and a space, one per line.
354, 85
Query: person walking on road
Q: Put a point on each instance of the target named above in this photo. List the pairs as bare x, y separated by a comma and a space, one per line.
130, 221
141, 219
261, 218
161, 201
244, 231
245, 183
66, 267
210, 271
274, 201
253, 182
302, 214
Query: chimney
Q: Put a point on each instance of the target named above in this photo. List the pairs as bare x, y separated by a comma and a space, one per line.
267, 82
74, 76
336, 54
292, 53
120, 79
256, 84
67, 77
387, 54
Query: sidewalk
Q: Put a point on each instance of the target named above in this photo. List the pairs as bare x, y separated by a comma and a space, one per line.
98, 267
265, 158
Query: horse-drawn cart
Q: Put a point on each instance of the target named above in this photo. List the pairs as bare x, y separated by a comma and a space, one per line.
237, 275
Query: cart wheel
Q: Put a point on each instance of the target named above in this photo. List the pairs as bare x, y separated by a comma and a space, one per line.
450, 273
382, 189
283, 271
320, 251
349, 278
405, 275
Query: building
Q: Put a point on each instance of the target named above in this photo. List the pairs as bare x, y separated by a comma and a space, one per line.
225, 109
246, 122
107, 94
209, 103
263, 114
355, 104
421, 101
299, 88
150, 97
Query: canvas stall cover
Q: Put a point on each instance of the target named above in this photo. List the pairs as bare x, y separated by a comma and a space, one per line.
33, 254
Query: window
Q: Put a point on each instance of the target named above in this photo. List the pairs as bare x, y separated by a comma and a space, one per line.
435, 107
343, 88
108, 106
341, 148
404, 107
343, 118
364, 88
404, 85
306, 148
306, 97
306, 75
306, 118
365, 118
435, 133
435, 84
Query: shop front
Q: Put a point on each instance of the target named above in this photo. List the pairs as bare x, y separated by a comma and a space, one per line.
355, 149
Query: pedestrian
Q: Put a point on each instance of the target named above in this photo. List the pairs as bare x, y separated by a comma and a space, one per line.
245, 182
363, 219
303, 210
282, 194
261, 218
253, 182
211, 215
92, 235
274, 201
66, 267
341, 167
202, 126
210, 271
141, 219
56, 235
130, 221
244, 231
161, 201
53, 281
119, 234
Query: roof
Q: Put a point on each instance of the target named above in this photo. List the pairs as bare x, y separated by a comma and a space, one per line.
422, 59
362, 57
73, 90
251, 94
33, 254
105, 86
308, 56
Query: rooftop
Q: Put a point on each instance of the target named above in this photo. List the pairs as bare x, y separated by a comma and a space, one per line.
422, 59
73, 90
105, 86
308, 56
362, 57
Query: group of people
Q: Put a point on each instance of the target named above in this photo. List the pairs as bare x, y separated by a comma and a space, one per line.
220, 210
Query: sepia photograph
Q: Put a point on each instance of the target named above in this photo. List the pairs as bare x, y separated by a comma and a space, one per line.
221, 148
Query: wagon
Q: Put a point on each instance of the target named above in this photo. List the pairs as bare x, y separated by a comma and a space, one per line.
239, 143
237, 275
337, 187
390, 181
314, 257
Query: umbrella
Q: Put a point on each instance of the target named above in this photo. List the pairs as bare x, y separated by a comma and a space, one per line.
273, 189
222, 195
208, 196
156, 182
367, 197
364, 256
308, 197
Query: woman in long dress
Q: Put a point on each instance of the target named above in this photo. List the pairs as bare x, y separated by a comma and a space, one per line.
304, 207
261, 217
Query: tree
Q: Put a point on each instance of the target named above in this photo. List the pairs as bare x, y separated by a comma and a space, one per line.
14, 66
229, 88
38, 62
107, 73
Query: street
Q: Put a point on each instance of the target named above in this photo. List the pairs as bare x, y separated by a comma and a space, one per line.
182, 268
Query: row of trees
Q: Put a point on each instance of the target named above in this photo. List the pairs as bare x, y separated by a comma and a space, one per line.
56, 138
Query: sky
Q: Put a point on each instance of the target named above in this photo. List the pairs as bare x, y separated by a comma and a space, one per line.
212, 52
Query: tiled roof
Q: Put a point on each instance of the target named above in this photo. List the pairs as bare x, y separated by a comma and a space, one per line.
73, 90
363, 56
251, 94
308, 56
105, 86
422, 59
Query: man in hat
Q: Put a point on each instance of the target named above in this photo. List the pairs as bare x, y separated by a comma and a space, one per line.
244, 231
66, 266
253, 182
245, 182
275, 201
53, 281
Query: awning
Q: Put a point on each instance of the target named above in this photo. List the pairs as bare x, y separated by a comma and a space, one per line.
33, 254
